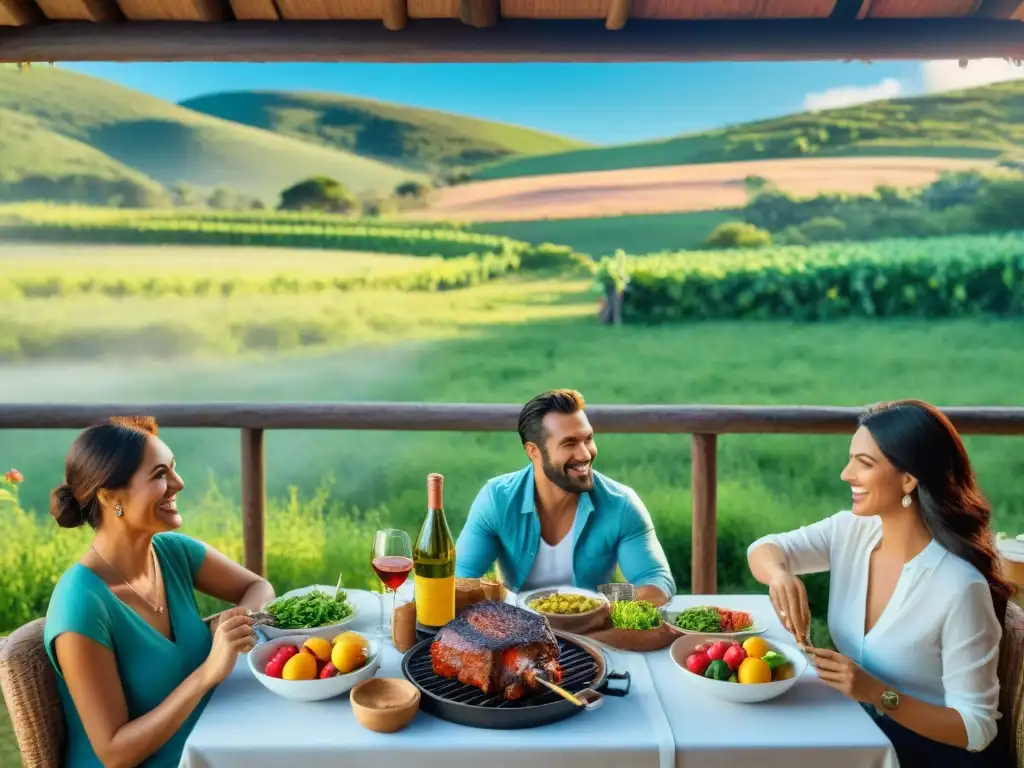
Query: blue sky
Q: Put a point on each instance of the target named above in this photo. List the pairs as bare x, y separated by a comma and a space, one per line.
601, 103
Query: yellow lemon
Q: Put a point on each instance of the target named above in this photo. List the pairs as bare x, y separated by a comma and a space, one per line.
753, 671
319, 647
301, 666
343, 635
350, 652
756, 647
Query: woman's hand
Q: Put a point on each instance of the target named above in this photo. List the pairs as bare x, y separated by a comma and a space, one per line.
837, 671
219, 618
789, 598
233, 636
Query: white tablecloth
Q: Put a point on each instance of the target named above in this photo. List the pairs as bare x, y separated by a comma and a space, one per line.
658, 725
810, 725
246, 726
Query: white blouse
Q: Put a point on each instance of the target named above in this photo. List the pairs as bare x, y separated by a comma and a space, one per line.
938, 638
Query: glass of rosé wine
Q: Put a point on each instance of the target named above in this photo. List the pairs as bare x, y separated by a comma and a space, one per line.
391, 558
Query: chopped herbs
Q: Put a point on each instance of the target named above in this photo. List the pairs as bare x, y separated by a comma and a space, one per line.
700, 619
314, 609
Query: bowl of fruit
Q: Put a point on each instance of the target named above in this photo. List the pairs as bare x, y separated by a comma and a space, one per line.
305, 668
749, 672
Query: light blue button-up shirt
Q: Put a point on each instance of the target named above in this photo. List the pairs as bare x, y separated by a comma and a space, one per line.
612, 526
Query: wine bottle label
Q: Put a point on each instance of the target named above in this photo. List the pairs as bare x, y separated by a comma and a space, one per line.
435, 601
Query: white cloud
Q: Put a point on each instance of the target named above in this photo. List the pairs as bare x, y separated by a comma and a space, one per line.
848, 95
948, 76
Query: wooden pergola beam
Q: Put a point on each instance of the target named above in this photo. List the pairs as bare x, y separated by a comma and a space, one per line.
479, 14
15, 13
515, 40
394, 14
618, 14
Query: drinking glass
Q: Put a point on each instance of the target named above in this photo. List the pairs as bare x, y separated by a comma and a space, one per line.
391, 559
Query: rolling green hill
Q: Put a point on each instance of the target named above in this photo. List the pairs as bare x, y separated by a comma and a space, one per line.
417, 138
171, 144
982, 122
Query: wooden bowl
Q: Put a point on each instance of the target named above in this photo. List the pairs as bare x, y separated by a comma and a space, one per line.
385, 704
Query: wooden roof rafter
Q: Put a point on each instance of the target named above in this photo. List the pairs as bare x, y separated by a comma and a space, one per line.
508, 30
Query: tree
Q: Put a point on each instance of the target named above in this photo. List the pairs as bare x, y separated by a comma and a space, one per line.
319, 193
414, 189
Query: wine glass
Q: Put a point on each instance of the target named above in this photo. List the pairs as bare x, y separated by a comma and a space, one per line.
391, 559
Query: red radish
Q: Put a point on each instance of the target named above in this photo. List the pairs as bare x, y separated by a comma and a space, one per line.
329, 670
285, 652
699, 647
734, 656
275, 667
717, 650
698, 662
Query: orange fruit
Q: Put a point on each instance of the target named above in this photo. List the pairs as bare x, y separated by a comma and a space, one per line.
349, 652
756, 647
319, 647
753, 671
301, 666
784, 672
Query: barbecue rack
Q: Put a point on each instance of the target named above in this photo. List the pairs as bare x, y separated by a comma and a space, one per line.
457, 702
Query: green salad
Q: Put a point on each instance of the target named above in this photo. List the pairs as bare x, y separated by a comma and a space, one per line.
635, 614
700, 619
314, 609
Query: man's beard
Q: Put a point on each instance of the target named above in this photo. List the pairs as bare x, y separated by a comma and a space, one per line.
563, 479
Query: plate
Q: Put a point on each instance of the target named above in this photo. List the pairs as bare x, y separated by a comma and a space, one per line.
309, 690
757, 628
735, 692
327, 631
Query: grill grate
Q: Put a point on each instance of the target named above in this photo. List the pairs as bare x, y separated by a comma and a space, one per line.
579, 670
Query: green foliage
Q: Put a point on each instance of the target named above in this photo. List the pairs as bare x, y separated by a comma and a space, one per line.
1000, 205
738, 234
942, 277
985, 122
319, 193
405, 136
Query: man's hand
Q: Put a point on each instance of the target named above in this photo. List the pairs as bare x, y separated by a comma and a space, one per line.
837, 671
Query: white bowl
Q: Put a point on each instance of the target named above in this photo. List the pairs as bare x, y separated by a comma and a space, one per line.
758, 627
524, 598
309, 690
741, 694
328, 631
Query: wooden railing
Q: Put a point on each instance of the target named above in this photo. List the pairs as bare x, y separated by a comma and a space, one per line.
703, 422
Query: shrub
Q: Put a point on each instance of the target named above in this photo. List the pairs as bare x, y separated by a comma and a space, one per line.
738, 234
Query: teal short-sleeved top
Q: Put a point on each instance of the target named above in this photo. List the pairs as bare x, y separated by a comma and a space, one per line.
150, 665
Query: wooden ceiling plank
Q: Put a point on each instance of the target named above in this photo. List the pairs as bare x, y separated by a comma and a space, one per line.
618, 14
172, 10
514, 40
732, 9
330, 10
479, 13
254, 10
919, 9
433, 9
394, 14
554, 9
1019, 13
80, 10
17, 13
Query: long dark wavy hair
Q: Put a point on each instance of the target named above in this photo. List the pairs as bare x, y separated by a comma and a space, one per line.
919, 440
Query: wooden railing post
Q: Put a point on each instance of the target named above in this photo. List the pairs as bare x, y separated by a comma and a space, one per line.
254, 500
703, 561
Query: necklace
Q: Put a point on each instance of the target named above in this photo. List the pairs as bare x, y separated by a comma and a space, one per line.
158, 609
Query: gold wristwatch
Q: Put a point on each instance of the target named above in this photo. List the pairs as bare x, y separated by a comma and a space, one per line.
890, 700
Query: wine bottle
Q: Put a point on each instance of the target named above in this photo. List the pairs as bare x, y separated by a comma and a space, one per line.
434, 563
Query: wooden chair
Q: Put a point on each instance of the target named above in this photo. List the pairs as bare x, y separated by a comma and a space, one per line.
1011, 682
29, 686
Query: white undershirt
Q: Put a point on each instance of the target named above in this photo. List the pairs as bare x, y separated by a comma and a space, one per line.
938, 638
553, 565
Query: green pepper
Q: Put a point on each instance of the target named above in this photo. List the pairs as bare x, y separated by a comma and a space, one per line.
718, 670
774, 660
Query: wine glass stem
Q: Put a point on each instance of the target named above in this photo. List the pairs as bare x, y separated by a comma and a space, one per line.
381, 629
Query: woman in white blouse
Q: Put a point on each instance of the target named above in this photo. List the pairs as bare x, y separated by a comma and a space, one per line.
916, 601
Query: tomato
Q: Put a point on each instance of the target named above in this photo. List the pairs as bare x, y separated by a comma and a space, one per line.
697, 662
717, 650
734, 656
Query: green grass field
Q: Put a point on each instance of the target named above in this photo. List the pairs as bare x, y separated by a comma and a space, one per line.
601, 236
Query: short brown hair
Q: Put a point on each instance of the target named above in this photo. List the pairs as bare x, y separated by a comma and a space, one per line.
531, 417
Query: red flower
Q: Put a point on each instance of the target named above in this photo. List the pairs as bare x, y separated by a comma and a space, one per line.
14, 476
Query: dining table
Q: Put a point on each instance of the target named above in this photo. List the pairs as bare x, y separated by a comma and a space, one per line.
659, 724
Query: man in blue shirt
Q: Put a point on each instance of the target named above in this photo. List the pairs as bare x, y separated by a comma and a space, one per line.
557, 521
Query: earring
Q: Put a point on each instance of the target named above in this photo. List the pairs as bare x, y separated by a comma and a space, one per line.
120, 512
907, 501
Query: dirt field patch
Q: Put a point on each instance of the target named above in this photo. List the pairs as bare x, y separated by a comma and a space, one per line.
675, 189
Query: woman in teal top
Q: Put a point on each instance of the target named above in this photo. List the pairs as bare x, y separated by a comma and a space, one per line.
135, 662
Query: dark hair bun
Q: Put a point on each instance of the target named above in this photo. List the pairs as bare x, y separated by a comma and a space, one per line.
64, 508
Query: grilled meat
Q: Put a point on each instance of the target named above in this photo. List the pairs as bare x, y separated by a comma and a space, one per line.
497, 648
